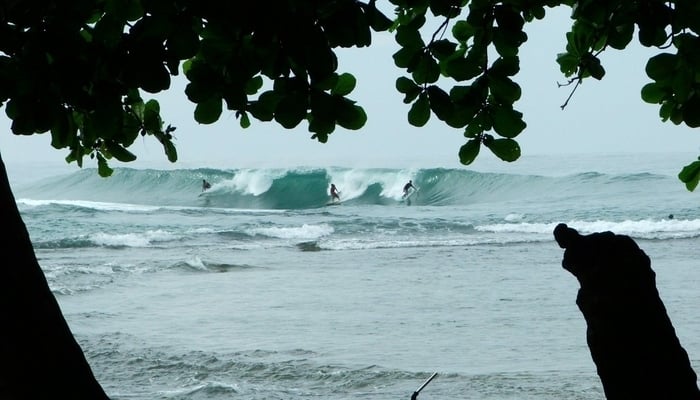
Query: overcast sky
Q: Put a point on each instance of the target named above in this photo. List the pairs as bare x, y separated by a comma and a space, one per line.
605, 116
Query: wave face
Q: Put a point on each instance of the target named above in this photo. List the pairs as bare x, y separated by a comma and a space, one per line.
290, 189
248, 209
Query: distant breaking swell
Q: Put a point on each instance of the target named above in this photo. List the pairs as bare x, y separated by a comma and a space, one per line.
303, 188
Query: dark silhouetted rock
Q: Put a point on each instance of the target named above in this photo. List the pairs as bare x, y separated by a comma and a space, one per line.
630, 336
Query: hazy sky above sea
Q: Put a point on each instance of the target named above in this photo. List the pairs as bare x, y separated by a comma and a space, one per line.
605, 116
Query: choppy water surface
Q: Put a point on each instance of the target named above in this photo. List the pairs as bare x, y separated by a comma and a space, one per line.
255, 289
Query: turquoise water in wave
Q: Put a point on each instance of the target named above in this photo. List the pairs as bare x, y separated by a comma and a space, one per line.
255, 289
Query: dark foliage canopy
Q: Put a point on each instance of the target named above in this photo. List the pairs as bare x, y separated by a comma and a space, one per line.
79, 69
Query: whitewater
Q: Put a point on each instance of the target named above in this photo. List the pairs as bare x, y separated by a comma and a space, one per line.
256, 289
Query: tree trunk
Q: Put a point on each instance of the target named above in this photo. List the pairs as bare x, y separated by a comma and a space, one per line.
629, 334
39, 357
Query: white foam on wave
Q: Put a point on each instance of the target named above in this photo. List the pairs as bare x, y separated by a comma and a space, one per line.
353, 183
521, 227
96, 205
644, 228
252, 181
452, 241
514, 217
144, 239
294, 232
135, 208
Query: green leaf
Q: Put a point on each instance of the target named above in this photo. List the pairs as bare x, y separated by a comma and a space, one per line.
440, 103
405, 85
409, 38
345, 85
469, 151
538, 12
326, 83
102, 167
504, 90
198, 93
653, 93
412, 95
378, 21
183, 43
508, 18
427, 70
187, 66
507, 122
443, 8
474, 128
620, 36
419, 114
108, 31
461, 115
170, 150
64, 131
245, 120
651, 35
13, 108
442, 49
322, 62
151, 116
208, 111
263, 109
691, 111
89, 132
409, 88
322, 126
253, 85
682, 83
662, 66
119, 152
407, 57
595, 68
690, 175
136, 103
291, 110
463, 69
215, 48
505, 149
483, 121
504, 44
154, 77
462, 31
107, 118
350, 116
666, 109
568, 63
76, 154
505, 66
676, 115
466, 102
580, 39
127, 9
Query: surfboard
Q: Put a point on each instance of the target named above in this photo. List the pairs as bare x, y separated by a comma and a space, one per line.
333, 203
409, 194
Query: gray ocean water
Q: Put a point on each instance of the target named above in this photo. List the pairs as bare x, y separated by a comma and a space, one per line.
257, 290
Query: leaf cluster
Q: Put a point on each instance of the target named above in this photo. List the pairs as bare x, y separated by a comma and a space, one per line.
78, 69
462, 71
478, 60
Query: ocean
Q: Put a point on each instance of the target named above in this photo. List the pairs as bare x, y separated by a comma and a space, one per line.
256, 289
